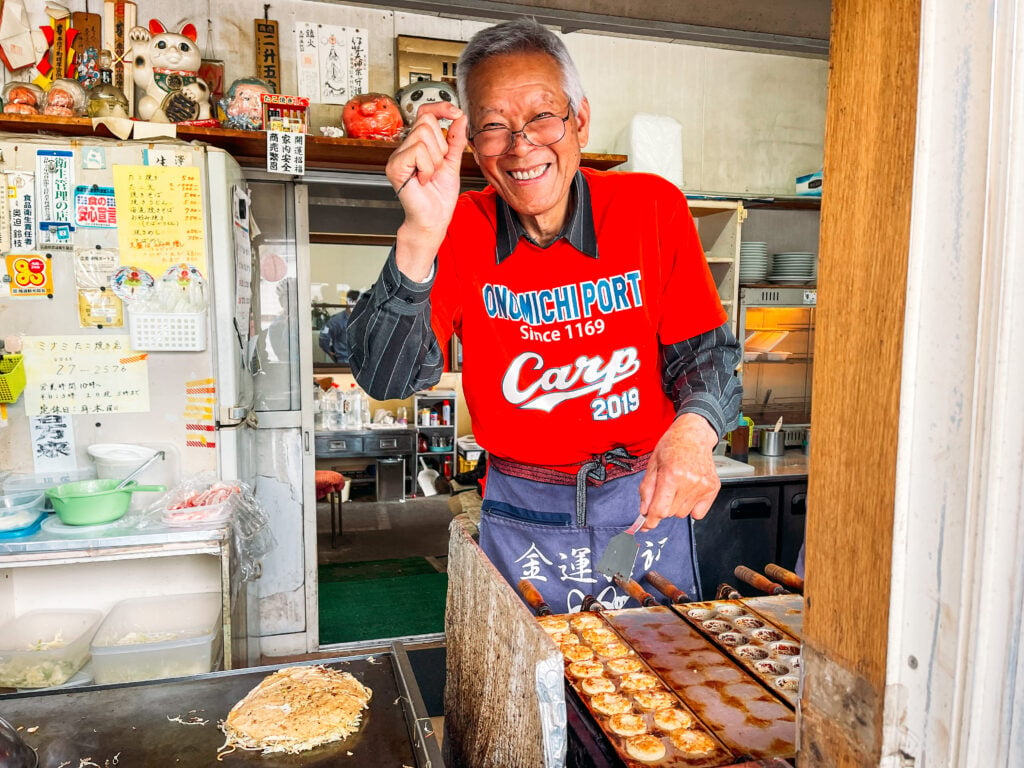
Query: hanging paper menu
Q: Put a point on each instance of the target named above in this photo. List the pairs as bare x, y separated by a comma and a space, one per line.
160, 217
84, 374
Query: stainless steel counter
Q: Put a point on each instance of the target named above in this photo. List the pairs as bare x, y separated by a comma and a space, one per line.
791, 466
123, 534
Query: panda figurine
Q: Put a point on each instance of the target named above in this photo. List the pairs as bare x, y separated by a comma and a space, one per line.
411, 97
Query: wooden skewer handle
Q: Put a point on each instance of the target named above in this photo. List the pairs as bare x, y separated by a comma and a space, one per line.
757, 581
635, 591
787, 578
666, 587
533, 598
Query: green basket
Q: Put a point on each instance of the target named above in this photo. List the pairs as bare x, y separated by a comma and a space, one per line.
12, 378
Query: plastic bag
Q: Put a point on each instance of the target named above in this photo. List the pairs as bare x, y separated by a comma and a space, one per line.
204, 501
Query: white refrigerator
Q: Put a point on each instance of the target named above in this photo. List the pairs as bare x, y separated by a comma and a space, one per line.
81, 215
86, 228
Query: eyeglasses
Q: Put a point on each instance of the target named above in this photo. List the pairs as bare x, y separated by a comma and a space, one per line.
542, 131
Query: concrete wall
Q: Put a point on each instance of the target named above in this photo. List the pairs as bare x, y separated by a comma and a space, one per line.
751, 121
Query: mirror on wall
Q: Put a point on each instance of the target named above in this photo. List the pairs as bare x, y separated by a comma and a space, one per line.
339, 272
352, 223
353, 219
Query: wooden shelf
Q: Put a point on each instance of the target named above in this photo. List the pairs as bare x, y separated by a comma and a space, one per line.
249, 147
707, 202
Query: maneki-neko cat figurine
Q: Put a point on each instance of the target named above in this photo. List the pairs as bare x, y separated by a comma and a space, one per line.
166, 67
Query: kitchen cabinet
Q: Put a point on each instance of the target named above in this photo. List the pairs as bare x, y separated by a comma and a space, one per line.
96, 570
435, 434
753, 522
777, 318
719, 225
368, 443
777, 325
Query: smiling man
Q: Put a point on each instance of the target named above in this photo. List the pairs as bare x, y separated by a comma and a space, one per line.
598, 367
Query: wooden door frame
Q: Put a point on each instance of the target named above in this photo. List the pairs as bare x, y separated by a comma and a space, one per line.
911, 644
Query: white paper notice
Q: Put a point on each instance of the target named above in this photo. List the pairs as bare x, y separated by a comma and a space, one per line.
243, 263
286, 152
21, 198
53, 443
84, 374
333, 53
358, 61
308, 61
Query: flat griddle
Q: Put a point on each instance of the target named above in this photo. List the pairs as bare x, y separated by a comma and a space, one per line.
132, 721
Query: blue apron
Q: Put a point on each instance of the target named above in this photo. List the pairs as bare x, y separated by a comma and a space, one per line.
529, 530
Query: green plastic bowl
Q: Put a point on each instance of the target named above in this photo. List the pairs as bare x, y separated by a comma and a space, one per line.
91, 502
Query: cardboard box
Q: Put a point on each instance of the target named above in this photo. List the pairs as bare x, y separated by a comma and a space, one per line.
809, 184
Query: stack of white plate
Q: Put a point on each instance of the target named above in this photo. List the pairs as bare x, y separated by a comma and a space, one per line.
794, 267
753, 262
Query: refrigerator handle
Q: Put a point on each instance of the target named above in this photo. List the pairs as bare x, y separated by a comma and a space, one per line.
305, 440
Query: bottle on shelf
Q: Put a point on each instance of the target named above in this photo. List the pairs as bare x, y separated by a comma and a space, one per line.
334, 417
446, 414
318, 407
364, 409
353, 414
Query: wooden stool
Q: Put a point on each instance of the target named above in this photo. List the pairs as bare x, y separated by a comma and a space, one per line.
329, 485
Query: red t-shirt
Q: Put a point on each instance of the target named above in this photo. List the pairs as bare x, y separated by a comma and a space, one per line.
561, 350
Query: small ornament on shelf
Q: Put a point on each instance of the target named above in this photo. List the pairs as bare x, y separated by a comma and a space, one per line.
23, 98
166, 69
242, 106
371, 116
66, 98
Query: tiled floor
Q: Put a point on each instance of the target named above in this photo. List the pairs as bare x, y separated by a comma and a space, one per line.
373, 530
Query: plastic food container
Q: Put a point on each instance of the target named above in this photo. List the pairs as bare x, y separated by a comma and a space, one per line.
40, 649
148, 638
197, 517
43, 481
20, 510
121, 459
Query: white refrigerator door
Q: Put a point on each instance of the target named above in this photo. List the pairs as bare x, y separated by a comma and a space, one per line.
159, 415
234, 272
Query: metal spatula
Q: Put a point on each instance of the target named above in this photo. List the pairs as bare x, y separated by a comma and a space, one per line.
620, 554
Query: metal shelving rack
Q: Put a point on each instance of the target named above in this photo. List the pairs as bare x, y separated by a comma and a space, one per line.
433, 400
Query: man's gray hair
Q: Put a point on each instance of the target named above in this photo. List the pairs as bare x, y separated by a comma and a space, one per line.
519, 36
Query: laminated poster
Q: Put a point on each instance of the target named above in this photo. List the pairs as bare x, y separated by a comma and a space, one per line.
53, 443
94, 267
95, 206
54, 194
160, 216
5, 220
98, 308
29, 275
84, 374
